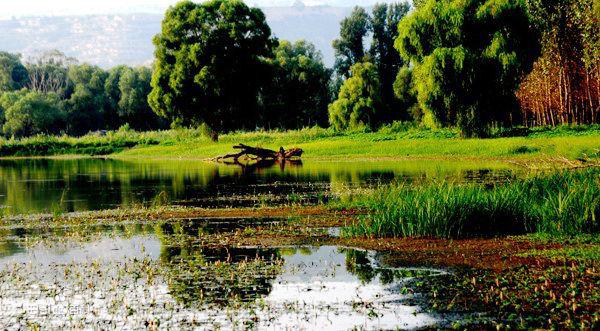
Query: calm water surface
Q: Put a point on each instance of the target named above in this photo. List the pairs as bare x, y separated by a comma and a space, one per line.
134, 276
44, 185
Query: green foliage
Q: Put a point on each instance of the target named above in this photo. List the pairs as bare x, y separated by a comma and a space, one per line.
298, 94
404, 91
384, 25
349, 48
29, 113
561, 203
210, 63
13, 75
85, 106
91, 144
133, 108
112, 93
468, 58
399, 139
359, 100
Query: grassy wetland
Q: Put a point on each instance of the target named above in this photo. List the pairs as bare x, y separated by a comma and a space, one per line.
399, 140
439, 169
143, 243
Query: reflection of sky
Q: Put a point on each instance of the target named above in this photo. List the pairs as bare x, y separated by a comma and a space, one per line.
104, 250
320, 282
315, 282
78, 7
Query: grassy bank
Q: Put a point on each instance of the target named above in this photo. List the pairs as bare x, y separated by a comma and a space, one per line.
394, 141
560, 203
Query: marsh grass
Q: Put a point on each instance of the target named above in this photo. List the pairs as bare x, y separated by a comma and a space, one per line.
566, 202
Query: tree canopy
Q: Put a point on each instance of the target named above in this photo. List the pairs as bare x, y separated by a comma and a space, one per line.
210, 63
469, 57
349, 48
384, 24
564, 86
359, 99
30, 112
85, 106
134, 88
13, 74
298, 93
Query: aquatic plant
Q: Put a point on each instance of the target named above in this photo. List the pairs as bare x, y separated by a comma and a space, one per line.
566, 202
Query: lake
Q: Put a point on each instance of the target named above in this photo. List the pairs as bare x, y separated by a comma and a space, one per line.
67, 185
140, 276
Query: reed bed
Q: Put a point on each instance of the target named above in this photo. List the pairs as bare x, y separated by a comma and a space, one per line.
565, 203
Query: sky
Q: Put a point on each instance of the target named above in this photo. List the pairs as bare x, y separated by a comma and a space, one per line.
20, 8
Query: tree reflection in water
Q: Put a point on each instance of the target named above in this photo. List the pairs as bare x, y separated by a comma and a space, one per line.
219, 276
360, 264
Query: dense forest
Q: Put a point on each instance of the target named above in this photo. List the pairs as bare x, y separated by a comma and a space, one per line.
475, 65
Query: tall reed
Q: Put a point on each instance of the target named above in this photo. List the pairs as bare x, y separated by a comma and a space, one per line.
566, 202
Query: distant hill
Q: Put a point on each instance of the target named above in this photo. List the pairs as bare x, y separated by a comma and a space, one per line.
109, 40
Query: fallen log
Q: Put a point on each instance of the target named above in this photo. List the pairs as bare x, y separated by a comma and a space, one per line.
259, 154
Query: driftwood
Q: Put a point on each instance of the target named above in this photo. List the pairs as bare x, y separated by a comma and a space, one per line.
261, 154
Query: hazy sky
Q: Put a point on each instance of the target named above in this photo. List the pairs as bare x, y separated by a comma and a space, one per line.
20, 8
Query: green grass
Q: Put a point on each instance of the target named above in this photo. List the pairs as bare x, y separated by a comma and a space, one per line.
565, 203
398, 140
581, 253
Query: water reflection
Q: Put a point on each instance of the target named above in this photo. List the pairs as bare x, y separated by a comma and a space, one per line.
45, 185
327, 287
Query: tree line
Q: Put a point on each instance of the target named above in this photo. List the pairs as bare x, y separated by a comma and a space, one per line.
53, 94
564, 85
474, 64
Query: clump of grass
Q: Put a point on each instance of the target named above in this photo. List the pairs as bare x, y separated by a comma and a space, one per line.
562, 203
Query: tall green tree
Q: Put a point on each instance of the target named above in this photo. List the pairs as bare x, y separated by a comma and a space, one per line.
133, 107
469, 57
113, 96
405, 93
85, 105
384, 24
210, 64
298, 94
13, 74
29, 113
349, 48
359, 99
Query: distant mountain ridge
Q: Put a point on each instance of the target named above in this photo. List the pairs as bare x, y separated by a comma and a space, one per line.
110, 40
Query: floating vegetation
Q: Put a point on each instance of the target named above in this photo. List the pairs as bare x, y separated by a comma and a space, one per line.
284, 260
557, 297
151, 280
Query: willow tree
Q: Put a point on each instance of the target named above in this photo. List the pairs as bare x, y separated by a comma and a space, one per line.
359, 100
210, 64
468, 58
297, 95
